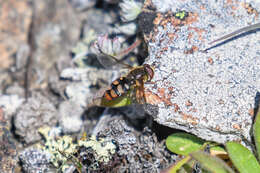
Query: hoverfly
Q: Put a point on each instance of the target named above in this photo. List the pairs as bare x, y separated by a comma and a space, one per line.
126, 89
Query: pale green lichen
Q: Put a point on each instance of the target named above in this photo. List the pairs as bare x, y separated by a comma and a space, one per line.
103, 149
62, 148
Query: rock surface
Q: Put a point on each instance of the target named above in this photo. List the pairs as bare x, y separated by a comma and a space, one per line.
141, 151
9, 104
79, 91
210, 94
36, 113
34, 160
55, 28
8, 151
70, 117
16, 17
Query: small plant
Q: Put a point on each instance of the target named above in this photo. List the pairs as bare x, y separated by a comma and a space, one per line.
130, 9
218, 159
66, 152
83, 48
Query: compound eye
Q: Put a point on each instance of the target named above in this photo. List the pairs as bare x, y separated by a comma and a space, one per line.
149, 71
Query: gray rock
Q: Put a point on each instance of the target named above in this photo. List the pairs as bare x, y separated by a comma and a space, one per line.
35, 160
37, 112
5, 79
79, 90
22, 56
210, 94
142, 151
10, 103
8, 152
82, 4
99, 21
70, 117
55, 29
15, 89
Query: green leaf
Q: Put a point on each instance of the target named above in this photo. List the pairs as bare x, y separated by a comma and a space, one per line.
211, 163
242, 158
257, 132
217, 148
188, 167
176, 166
183, 143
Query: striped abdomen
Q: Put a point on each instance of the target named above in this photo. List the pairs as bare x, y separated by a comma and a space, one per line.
118, 88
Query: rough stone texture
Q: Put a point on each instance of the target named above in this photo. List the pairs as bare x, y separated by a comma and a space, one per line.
34, 160
99, 21
210, 94
9, 104
15, 20
55, 29
142, 151
82, 4
15, 17
37, 112
8, 161
15, 89
70, 117
83, 78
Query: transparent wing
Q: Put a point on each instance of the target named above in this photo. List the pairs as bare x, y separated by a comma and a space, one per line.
105, 49
109, 61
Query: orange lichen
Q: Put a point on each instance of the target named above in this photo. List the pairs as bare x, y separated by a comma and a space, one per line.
175, 22
176, 107
147, 5
189, 103
192, 17
171, 89
192, 50
251, 112
152, 98
233, 4
229, 1
164, 19
199, 31
210, 60
160, 97
161, 92
158, 19
236, 126
164, 49
190, 118
202, 7
190, 35
249, 9
171, 35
